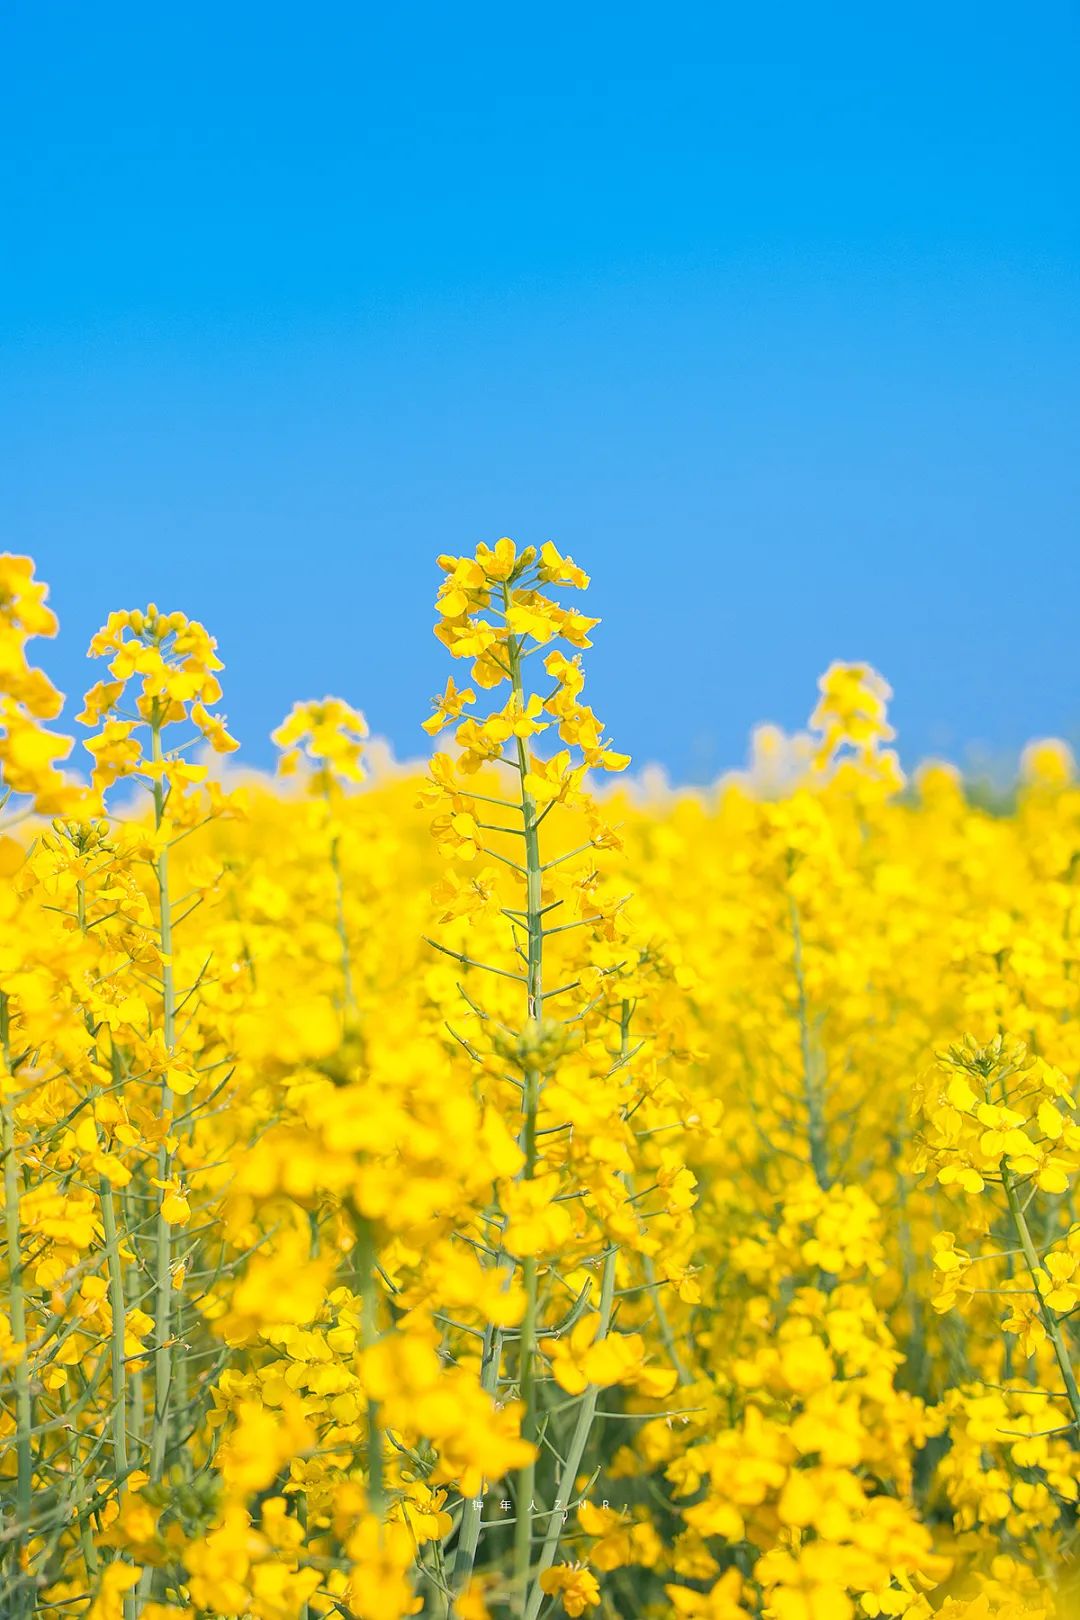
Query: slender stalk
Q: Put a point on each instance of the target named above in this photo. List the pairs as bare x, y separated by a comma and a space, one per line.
349, 996
1049, 1320
586, 1414
80, 1510
815, 1100
137, 1380
663, 1321
469, 1534
369, 1333
24, 1411
163, 1370
526, 1478
652, 1286
118, 1313
915, 1360
118, 1323
534, 924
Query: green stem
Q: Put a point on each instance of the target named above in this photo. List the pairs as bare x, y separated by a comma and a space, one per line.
469, 1534
137, 1381
663, 1321
526, 1477
349, 1006
534, 923
586, 1413
163, 1370
1049, 1320
24, 1411
118, 1310
118, 1326
815, 1099
369, 1333
81, 1511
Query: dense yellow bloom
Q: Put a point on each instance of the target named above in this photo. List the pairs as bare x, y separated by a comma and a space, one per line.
328, 737
577, 1588
29, 752
472, 1193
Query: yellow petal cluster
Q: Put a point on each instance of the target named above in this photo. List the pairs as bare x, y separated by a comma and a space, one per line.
490, 1191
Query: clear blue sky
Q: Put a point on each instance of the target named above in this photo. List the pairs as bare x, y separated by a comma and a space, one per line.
768, 314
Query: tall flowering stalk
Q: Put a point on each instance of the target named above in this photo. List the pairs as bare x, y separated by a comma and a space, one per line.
549, 934
580, 1266
30, 782
327, 738
997, 1126
173, 660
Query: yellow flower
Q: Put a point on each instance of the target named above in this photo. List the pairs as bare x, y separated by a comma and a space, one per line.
174, 1205
576, 1587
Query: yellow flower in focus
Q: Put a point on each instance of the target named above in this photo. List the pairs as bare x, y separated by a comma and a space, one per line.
576, 1587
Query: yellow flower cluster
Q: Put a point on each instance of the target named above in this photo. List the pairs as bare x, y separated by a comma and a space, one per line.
29, 753
495, 1192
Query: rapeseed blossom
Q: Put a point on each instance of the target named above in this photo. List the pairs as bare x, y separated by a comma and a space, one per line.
486, 1192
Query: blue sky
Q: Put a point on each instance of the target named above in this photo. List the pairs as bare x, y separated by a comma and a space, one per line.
767, 314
